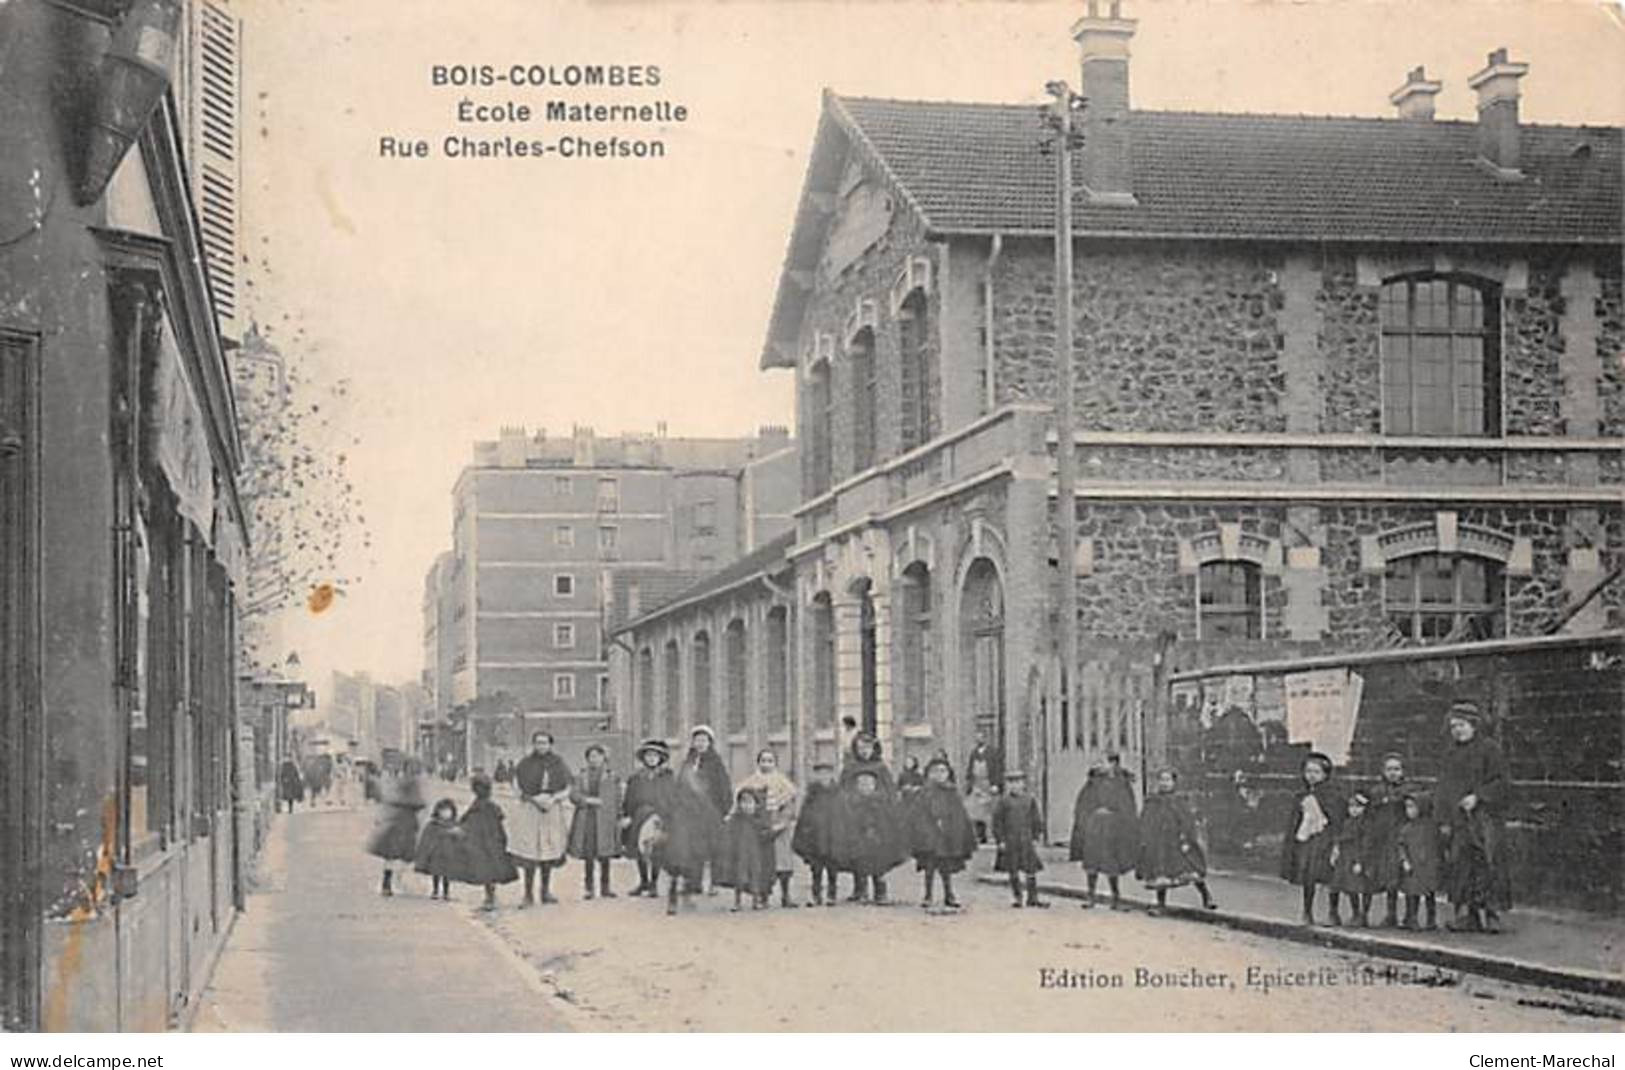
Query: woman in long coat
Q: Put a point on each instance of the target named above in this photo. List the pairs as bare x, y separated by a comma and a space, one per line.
693, 827
864, 756
645, 806
290, 785
395, 836
594, 835
703, 766
1471, 805
539, 819
780, 804
1106, 827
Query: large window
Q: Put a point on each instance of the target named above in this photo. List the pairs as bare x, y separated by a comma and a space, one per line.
1440, 597
823, 644
861, 360
673, 667
735, 665
818, 429
702, 678
919, 385
645, 685
916, 642
1228, 600
778, 664
1440, 360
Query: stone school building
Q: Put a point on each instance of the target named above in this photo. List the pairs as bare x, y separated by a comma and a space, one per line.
1342, 385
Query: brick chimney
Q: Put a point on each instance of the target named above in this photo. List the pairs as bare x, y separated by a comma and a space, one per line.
1105, 167
1414, 99
1497, 86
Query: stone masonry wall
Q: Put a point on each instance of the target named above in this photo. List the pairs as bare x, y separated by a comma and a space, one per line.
1611, 351
1170, 338
1350, 335
1531, 353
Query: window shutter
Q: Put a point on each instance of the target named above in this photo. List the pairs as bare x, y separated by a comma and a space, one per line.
216, 86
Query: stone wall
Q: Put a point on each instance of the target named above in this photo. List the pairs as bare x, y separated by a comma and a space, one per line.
1531, 352
1611, 351
1349, 339
1170, 337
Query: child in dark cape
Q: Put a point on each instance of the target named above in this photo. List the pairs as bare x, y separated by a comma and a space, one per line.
1018, 826
814, 838
489, 863
442, 852
1169, 853
745, 863
940, 832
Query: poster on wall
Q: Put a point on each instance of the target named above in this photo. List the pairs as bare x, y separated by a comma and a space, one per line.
1321, 709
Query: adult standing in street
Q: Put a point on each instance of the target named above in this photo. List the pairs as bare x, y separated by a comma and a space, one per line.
538, 823
290, 785
594, 832
983, 751
704, 771
1473, 787
1106, 828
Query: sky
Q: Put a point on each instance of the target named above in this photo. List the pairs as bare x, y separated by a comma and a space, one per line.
460, 296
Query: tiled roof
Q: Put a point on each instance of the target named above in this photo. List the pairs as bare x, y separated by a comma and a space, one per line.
656, 587
768, 558
972, 168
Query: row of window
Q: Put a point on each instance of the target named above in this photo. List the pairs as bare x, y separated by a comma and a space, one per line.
608, 537
919, 419
1426, 598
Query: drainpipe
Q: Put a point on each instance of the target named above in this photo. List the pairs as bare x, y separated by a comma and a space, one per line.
995, 250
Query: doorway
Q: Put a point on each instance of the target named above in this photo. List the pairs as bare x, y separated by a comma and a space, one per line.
981, 632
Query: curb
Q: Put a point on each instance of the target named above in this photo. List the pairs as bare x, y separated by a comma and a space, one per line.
1584, 982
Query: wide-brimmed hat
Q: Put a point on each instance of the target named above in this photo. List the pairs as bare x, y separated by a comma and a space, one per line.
939, 760
659, 746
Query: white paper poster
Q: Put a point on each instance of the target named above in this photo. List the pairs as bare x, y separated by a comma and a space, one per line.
1321, 708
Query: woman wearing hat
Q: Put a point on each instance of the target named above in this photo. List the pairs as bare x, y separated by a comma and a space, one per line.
704, 773
1473, 786
648, 795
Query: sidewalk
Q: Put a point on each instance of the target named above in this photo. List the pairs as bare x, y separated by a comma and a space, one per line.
319, 950
1572, 951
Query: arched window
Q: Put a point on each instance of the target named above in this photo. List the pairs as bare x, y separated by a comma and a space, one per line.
674, 689
819, 433
1433, 598
645, 684
916, 642
734, 665
1229, 603
778, 669
1441, 363
919, 383
823, 651
861, 360
702, 678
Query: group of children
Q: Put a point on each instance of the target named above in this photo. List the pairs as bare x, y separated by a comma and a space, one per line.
1368, 843
1110, 836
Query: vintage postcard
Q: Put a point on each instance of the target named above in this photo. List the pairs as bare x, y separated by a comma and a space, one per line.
1065, 515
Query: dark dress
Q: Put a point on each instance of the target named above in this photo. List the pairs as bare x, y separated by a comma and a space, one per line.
1017, 827
940, 833
1419, 846
814, 836
693, 825
648, 793
1169, 853
1355, 845
995, 765
869, 838
1386, 814
745, 862
442, 850
290, 785
395, 837
486, 844
1105, 825
714, 776
1475, 863
1310, 861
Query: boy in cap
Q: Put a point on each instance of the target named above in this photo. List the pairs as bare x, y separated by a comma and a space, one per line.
813, 840
941, 836
1017, 828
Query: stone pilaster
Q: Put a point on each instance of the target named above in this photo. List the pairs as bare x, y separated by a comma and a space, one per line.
1583, 570
1303, 365
1579, 367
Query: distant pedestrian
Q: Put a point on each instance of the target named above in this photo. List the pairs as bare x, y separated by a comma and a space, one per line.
1106, 828
869, 838
489, 863
849, 731
647, 798
442, 851
394, 837
1472, 797
1306, 848
538, 821
1170, 855
1018, 828
912, 778
1386, 815
980, 794
290, 784
745, 862
594, 831
1419, 862
940, 834
986, 752
1352, 851
780, 800
814, 836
